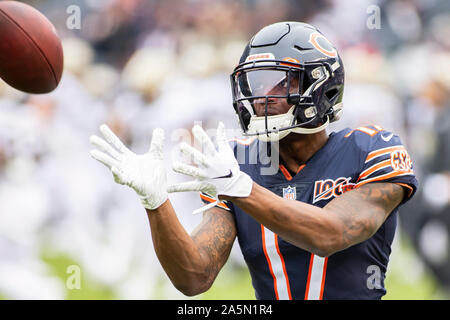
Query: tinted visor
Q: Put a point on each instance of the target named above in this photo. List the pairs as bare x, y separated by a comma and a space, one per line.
265, 82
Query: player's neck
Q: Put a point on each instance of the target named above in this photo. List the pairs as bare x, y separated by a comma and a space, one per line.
297, 149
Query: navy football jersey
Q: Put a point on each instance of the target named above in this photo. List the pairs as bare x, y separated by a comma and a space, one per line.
349, 159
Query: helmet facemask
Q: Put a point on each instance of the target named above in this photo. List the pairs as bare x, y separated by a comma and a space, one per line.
259, 84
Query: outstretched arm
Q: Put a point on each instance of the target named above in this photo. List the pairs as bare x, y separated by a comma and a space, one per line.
192, 262
346, 220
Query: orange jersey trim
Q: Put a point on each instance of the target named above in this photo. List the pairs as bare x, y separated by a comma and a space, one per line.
383, 151
269, 263
301, 168
324, 274
322, 284
374, 168
308, 282
286, 173
284, 267
210, 200
410, 189
366, 130
385, 176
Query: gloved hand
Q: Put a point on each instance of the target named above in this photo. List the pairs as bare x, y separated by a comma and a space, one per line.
217, 172
145, 173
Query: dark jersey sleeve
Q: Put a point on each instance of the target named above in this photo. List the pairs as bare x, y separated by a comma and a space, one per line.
226, 205
384, 158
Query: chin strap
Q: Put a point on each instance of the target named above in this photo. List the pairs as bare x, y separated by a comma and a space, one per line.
257, 125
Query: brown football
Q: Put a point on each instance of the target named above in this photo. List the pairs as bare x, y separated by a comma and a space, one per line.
31, 55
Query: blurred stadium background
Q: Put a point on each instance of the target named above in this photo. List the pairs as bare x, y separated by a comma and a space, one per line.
137, 64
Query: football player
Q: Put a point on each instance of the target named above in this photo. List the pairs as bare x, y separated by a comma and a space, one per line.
321, 225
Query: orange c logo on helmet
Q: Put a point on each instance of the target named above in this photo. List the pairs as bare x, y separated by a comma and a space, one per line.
289, 59
313, 37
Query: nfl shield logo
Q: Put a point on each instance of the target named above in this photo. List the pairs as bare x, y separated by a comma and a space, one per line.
289, 193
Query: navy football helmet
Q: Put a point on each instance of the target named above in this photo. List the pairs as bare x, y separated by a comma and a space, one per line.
292, 61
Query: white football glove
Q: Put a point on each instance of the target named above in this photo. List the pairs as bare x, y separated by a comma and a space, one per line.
217, 172
145, 173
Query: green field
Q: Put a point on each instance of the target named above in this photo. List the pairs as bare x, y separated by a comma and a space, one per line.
407, 279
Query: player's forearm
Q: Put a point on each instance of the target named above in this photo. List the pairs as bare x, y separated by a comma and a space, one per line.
304, 225
176, 251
